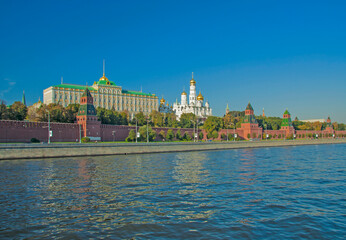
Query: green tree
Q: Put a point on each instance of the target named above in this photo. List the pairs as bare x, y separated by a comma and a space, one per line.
215, 134
178, 135
187, 137
212, 124
157, 118
141, 119
4, 113
187, 120
170, 135
18, 111
200, 136
143, 133
171, 120
162, 134
132, 136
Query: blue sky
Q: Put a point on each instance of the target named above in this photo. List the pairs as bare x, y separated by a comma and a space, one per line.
275, 54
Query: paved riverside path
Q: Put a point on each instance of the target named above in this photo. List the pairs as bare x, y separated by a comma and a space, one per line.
55, 150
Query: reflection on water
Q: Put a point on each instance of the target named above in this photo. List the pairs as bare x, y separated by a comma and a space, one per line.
269, 193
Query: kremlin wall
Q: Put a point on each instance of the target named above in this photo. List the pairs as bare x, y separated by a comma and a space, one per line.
87, 125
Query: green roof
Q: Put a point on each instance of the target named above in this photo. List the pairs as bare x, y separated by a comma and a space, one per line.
249, 119
287, 112
101, 82
249, 107
74, 86
286, 122
136, 93
104, 82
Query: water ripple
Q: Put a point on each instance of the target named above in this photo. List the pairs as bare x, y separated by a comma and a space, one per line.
268, 193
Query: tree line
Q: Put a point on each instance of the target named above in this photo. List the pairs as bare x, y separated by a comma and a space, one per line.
212, 125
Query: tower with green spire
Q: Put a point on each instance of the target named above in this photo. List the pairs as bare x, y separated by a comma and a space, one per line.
23, 98
87, 118
227, 109
249, 125
249, 115
286, 123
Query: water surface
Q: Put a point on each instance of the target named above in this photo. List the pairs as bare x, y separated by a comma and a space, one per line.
267, 193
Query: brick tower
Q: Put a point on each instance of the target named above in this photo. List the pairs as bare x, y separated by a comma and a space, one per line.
249, 126
286, 124
86, 116
329, 127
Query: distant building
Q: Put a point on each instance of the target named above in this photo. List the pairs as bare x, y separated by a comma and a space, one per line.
195, 104
314, 120
106, 94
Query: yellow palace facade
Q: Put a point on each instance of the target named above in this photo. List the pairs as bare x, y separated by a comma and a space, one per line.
106, 95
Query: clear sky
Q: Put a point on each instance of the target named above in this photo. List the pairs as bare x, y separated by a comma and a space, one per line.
275, 54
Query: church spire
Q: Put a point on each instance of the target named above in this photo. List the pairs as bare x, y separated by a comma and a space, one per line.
23, 98
227, 109
104, 67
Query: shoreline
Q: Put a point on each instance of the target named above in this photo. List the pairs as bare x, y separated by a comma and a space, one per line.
39, 151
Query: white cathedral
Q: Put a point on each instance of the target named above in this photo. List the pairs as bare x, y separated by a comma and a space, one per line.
195, 104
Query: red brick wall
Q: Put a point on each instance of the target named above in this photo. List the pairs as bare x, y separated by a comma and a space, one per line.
21, 131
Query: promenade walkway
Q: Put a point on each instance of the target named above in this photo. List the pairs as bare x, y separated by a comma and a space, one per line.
31, 151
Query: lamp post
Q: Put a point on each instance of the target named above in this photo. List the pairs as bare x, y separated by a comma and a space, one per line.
197, 130
80, 133
147, 130
227, 132
113, 134
49, 132
136, 129
194, 132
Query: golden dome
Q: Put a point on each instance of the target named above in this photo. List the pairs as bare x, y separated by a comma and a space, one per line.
103, 78
200, 97
192, 81
183, 93
162, 101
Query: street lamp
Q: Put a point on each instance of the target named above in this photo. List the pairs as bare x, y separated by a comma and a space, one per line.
197, 130
136, 129
50, 133
147, 130
113, 134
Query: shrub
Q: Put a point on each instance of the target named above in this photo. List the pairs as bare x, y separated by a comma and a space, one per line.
170, 135
85, 139
200, 136
178, 135
34, 140
248, 135
215, 134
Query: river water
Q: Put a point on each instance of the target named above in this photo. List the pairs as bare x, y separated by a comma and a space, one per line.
266, 193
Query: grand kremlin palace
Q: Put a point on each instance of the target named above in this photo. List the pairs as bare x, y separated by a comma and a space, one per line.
106, 95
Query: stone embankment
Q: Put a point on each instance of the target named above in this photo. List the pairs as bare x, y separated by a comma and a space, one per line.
31, 151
